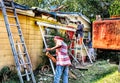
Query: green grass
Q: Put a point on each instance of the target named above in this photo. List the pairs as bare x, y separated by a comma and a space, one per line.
94, 73
99, 72
111, 78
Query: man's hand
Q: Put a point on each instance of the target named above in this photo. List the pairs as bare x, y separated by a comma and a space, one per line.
48, 49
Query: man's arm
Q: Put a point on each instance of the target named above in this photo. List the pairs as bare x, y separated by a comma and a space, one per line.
55, 47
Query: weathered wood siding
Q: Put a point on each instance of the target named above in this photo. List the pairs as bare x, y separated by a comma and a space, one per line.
32, 38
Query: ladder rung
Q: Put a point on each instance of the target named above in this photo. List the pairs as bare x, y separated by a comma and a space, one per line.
22, 53
20, 34
19, 43
11, 16
8, 0
25, 74
75, 48
25, 63
13, 25
48, 36
9, 8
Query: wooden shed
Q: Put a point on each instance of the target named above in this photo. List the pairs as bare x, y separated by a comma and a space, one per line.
31, 33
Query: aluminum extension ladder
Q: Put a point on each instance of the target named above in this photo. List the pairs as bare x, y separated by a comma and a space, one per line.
21, 56
45, 43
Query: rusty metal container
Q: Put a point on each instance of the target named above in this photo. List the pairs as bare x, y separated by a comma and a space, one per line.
106, 34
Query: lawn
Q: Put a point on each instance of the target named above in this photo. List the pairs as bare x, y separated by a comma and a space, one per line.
99, 72
94, 74
111, 78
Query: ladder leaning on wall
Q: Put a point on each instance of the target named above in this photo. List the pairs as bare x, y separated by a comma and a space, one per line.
45, 43
19, 50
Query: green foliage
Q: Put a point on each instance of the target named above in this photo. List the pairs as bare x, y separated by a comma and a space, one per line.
6, 74
5, 70
29, 3
50, 41
94, 73
112, 78
90, 8
115, 8
57, 33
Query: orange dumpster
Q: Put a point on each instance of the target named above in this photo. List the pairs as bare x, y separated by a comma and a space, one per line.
106, 34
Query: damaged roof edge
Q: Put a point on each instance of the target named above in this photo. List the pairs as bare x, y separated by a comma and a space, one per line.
22, 7
61, 14
18, 6
39, 10
80, 14
84, 17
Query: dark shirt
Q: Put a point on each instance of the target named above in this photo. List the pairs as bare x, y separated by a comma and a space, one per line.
90, 44
80, 30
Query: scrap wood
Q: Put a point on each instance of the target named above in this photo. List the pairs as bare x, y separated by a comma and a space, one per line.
59, 8
50, 75
79, 66
72, 75
45, 68
51, 57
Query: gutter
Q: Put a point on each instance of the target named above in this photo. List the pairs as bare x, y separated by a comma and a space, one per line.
55, 26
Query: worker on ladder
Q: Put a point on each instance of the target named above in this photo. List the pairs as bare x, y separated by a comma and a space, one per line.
79, 41
79, 33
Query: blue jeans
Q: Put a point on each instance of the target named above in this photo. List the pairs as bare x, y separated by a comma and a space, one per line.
61, 71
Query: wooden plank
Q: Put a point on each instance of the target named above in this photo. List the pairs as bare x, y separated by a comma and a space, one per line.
3, 35
34, 37
37, 41
1, 16
2, 23
5, 46
7, 52
22, 19
3, 29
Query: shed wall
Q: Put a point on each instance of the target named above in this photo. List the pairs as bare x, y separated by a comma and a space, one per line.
32, 38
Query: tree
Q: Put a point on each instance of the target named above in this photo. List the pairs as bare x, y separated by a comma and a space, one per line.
115, 8
90, 8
